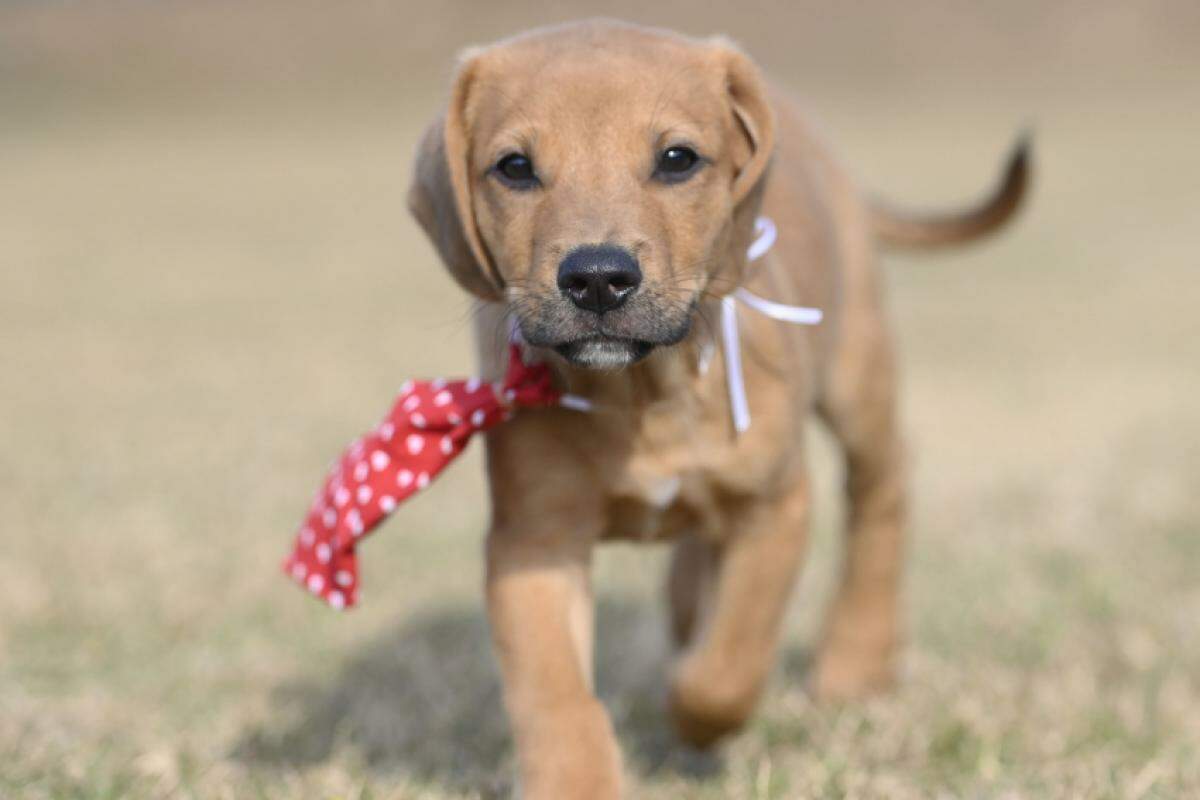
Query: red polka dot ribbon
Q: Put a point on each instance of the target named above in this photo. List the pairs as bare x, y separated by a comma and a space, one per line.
427, 428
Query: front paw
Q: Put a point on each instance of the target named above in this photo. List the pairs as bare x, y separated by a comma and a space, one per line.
568, 752
707, 704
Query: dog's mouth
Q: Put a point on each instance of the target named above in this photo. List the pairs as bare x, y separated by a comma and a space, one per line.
604, 352
613, 340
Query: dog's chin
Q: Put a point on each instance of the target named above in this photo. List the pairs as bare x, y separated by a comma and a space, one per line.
603, 352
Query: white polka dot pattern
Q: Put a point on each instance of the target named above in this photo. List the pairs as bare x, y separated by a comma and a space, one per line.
428, 427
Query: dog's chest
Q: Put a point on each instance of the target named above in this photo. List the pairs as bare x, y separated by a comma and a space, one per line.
667, 488
684, 467
651, 506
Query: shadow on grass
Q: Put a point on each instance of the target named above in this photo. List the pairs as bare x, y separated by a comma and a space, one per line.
425, 701
796, 663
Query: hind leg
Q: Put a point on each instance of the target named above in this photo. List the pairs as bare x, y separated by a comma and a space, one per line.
858, 652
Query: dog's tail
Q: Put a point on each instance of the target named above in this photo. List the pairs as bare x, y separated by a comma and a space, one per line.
917, 230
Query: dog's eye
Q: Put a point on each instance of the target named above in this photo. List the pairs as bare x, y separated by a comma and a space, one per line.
516, 170
676, 164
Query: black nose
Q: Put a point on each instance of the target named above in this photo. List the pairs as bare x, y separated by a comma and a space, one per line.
598, 277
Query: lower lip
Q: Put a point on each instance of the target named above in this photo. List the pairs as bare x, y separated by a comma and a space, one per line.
634, 350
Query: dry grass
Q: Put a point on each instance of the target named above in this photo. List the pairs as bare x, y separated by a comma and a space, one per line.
202, 297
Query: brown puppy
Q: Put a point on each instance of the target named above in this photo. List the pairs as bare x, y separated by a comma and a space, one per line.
598, 183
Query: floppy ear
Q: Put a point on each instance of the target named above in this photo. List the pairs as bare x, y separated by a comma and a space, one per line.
440, 194
753, 121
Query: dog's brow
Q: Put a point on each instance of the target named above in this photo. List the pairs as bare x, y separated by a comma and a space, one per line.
515, 107
663, 98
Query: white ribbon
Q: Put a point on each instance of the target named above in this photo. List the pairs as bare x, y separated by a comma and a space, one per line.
730, 336
575, 402
765, 233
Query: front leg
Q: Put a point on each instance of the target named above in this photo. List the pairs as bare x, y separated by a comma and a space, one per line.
540, 605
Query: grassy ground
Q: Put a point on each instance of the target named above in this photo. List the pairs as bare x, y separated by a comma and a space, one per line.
202, 299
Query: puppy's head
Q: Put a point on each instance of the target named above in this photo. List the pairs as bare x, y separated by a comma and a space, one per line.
599, 178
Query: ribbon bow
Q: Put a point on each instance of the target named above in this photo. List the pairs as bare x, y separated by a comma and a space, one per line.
428, 427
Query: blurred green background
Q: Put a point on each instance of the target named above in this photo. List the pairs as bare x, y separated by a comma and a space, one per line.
209, 283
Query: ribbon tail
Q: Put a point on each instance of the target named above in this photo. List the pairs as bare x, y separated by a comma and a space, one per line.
428, 427
732, 350
797, 315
